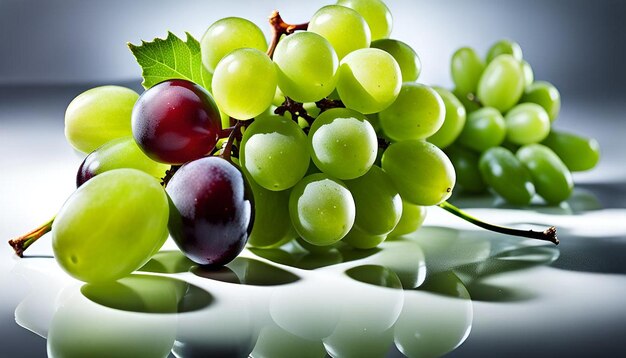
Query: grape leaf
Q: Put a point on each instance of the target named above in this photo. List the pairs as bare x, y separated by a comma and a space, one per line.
171, 58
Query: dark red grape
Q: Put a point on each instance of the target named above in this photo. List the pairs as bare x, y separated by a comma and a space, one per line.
176, 121
212, 212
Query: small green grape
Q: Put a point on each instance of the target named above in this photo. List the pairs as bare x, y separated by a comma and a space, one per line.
244, 83
465, 162
103, 231
343, 143
527, 123
507, 47
422, 173
99, 115
321, 209
453, 123
546, 95
412, 218
484, 128
376, 13
577, 152
466, 68
275, 152
227, 35
553, 181
417, 113
502, 83
529, 75
344, 28
369, 80
409, 62
507, 176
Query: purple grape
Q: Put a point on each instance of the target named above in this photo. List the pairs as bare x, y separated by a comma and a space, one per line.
176, 121
212, 211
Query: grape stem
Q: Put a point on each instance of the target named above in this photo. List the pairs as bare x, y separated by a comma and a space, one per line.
296, 109
472, 98
235, 134
20, 244
326, 103
280, 28
547, 235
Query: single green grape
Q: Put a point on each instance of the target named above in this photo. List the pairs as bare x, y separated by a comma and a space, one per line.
578, 153
227, 35
507, 47
369, 80
104, 231
465, 162
275, 152
422, 173
484, 128
307, 66
507, 176
376, 13
344, 28
321, 209
343, 143
527, 123
553, 181
417, 113
244, 83
272, 226
454, 120
529, 75
412, 218
409, 62
99, 115
117, 154
502, 83
378, 208
466, 68
546, 95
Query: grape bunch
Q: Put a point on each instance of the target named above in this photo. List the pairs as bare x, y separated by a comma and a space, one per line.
322, 136
499, 130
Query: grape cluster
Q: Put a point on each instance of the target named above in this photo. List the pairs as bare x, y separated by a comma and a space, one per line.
322, 136
499, 130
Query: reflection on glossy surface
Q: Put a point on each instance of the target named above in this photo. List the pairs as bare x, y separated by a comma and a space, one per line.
275, 342
433, 324
168, 262
82, 328
246, 271
148, 294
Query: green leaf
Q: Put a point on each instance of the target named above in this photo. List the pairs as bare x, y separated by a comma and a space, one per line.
171, 58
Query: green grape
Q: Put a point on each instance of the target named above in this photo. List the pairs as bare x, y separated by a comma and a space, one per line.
344, 28
422, 173
453, 123
507, 176
369, 80
321, 209
483, 129
226, 35
343, 143
375, 12
272, 227
307, 66
275, 152
99, 115
104, 231
465, 162
553, 181
546, 95
529, 75
417, 113
224, 119
527, 123
577, 153
116, 154
466, 68
409, 62
412, 218
378, 209
505, 47
469, 104
502, 83
244, 83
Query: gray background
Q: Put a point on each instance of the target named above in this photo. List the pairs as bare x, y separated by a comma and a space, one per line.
579, 45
